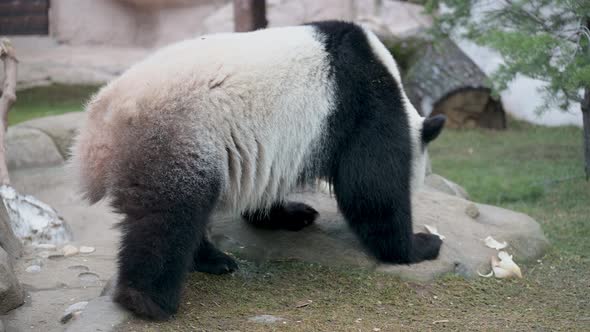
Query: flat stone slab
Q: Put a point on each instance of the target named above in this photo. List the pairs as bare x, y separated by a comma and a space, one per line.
330, 241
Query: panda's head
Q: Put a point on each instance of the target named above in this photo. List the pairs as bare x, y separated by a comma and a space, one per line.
429, 129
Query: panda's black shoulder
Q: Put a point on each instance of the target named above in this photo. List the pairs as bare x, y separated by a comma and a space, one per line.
336, 34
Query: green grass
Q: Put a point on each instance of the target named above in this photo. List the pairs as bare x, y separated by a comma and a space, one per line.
49, 100
536, 170
532, 169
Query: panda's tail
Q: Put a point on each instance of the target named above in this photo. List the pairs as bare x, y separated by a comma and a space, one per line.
92, 153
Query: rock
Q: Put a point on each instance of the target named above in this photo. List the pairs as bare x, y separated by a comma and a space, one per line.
8, 240
60, 128
266, 319
32, 220
73, 311
472, 211
29, 148
89, 278
33, 269
11, 292
1, 326
79, 268
330, 241
101, 314
69, 250
439, 183
86, 250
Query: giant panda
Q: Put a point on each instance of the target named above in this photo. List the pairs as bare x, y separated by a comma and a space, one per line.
232, 123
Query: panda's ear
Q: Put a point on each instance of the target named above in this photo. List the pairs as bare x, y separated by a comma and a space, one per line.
432, 127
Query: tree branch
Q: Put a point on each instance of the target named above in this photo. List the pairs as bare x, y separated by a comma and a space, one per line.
8, 56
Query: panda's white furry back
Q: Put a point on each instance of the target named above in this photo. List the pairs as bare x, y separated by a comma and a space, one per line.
260, 100
231, 123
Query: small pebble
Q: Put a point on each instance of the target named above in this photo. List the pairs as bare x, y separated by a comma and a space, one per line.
266, 319
86, 250
44, 254
33, 269
45, 246
56, 255
89, 278
73, 311
472, 211
69, 250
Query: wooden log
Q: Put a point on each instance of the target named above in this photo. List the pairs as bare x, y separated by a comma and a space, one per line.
441, 79
249, 15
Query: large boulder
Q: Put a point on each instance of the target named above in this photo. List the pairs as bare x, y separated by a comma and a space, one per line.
29, 148
437, 182
11, 292
60, 128
331, 242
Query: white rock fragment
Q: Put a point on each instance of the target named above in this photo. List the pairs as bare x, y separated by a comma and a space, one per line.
69, 250
33, 269
494, 244
434, 231
86, 250
505, 266
266, 319
32, 220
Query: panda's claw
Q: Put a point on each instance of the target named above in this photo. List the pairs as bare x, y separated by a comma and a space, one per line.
209, 259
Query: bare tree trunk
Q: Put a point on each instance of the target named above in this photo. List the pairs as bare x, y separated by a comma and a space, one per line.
585, 106
586, 120
8, 98
249, 15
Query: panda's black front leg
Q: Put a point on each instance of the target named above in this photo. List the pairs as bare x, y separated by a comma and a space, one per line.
292, 216
209, 259
372, 189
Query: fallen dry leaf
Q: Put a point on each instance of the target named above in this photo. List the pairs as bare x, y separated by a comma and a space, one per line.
494, 244
486, 275
432, 230
505, 266
303, 304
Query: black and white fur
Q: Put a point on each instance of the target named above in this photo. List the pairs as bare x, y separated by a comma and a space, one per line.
232, 123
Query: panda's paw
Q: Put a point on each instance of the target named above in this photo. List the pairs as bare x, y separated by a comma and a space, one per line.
296, 216
214, 261
425, 247
141, 304
292, 216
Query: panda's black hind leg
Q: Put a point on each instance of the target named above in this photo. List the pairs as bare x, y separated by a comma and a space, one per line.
211, 260
292, 216
167, 195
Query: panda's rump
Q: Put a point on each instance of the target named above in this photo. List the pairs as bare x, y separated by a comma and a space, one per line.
257, 113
